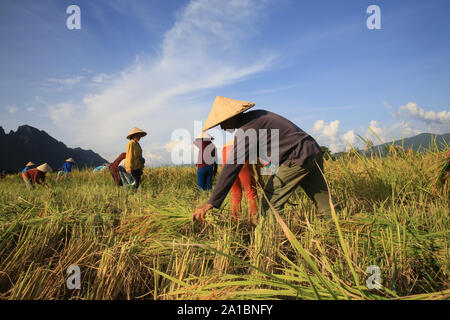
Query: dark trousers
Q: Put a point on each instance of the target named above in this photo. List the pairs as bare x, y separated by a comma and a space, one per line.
137, 174
289, 177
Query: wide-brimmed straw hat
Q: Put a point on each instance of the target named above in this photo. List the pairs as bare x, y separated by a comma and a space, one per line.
224, 109
136, 130
204, 136
44, 168
29, 164
70, 160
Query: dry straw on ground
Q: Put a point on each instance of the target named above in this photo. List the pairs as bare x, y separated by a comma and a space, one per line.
145, 246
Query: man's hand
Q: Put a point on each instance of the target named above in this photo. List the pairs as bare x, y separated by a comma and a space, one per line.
200, 212
129, 171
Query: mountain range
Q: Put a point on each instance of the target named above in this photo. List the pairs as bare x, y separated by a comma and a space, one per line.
31, 144
420, 142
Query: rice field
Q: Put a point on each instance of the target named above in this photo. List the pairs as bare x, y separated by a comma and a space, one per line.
144, 245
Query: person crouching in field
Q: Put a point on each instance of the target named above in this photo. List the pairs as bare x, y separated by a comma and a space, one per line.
299, 157
36, 175
206, 163
247, 180
28, 166
114, 169
133, 160
65, 171
120, 176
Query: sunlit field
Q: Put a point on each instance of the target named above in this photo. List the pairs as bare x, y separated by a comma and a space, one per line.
144, 245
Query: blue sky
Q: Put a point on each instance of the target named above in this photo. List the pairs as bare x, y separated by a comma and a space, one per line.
158, 65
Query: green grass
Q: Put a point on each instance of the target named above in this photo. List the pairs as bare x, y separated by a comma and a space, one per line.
145, 246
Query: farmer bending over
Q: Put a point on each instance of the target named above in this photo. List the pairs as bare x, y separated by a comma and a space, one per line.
64, 173
299, 157
37, 175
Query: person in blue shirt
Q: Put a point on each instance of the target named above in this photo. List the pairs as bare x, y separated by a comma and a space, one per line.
66, 169
98, 169
28, 166
67, 166
101, 168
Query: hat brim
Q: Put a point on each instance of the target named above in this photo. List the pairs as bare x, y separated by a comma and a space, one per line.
251, 105
141, 134
45, 168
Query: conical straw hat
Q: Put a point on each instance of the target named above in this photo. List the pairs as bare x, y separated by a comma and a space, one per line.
29, 164
204, 136
136, 130
224, 109
70, 160
44, 168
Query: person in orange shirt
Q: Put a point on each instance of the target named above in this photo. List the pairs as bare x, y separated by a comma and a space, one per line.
246, 179
36, 175
133, 160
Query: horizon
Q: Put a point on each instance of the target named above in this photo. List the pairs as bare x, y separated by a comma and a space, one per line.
171, 164
159, 66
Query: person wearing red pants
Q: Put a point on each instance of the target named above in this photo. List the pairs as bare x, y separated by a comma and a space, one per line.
245, 179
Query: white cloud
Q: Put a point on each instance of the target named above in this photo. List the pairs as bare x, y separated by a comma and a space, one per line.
102, 78
412, 110
66, 81
152, 159
62, 112
53, 85
206, 48
326, 131
330, 136
169, 147
350, 137
12, 109
390, 133
376, 130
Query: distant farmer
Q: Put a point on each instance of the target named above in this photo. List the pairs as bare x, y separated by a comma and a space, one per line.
114, 168
36, 175
101, 168
98, 169
247, 180
299, 156
28, 166
206, 163
133, 160
64, 173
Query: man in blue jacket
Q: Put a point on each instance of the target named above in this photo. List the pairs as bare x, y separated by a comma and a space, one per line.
66, 169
